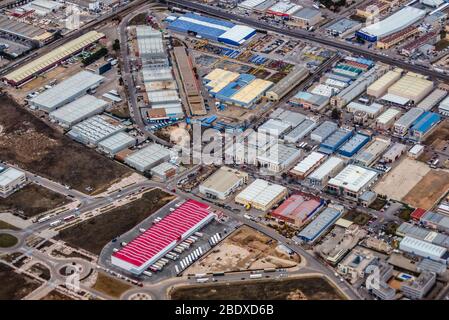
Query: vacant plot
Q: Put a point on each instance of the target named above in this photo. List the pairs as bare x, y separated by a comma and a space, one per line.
110, 286
7, 226
7, 240
15, 286
358, 217
406, 175
32, 200
36, 147
313, 288
93, 234
433, 186
245, 249
56, 295
440, 134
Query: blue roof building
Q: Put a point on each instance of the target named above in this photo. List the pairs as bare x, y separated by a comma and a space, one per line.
424, 124
353, 145
212, 29
320, 224
335, 140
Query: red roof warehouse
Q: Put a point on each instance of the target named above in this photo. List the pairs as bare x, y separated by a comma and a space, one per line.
155, 242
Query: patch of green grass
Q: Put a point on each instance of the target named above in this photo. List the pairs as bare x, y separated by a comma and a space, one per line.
7, 240
378, 204
7, 226
405, 213
357, 217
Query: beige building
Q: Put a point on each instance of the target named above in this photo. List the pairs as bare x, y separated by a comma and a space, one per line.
412, 86
379, 87
262, 195
223, 182
10, 180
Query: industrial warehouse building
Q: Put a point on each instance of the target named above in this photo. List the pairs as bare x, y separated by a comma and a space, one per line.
298, 208
261, 195
309, 100
413, 87
159, 239
223, 182
431, 236
423, 125
386, 120
25, 32
11, 180
353, 145
323, 131
287, 83
150, 45
335, 140
306, 17
293, 118
394, 153
352, 181
300, 131
148, 157
373, 151
326, 171
372, 110
163, 171
320, 224
436, 221
424, 249
116, 143
78, 110
402, 125
307, 165
443, 108
66, 91
379, 87
212, 29
189, 82
432, 99
47, 61
356, 88
95, 129
396, 22
242, 90
278, 157
274, 127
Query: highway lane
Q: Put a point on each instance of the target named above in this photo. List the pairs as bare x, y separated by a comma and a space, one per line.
301, 34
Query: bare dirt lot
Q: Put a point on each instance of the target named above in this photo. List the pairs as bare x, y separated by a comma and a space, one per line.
56, 295
32, 200
93, 234
36, 147
312, 288
406, 174
15, 286
245, 249
110, 286
441, 133
433, 186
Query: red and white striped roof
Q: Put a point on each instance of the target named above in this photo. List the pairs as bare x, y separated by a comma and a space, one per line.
165, 232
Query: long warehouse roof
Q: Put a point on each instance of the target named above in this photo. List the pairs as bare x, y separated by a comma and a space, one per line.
53, 57
397, 21
167, 231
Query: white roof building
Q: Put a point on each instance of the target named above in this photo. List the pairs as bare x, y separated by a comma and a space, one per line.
278, 157
443, 108
10, 179
300, 131
148, 157
66, 91
308, 164
352, 180
116, 143
261, 195
326, 171
95, 129
387, 118
399, 20
274, 127
78, 110
372, 110
422, 248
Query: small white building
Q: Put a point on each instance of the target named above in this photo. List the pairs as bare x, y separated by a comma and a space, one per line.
148, 157
308, 164
326, 171
416, 151
11, 180
163, 171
